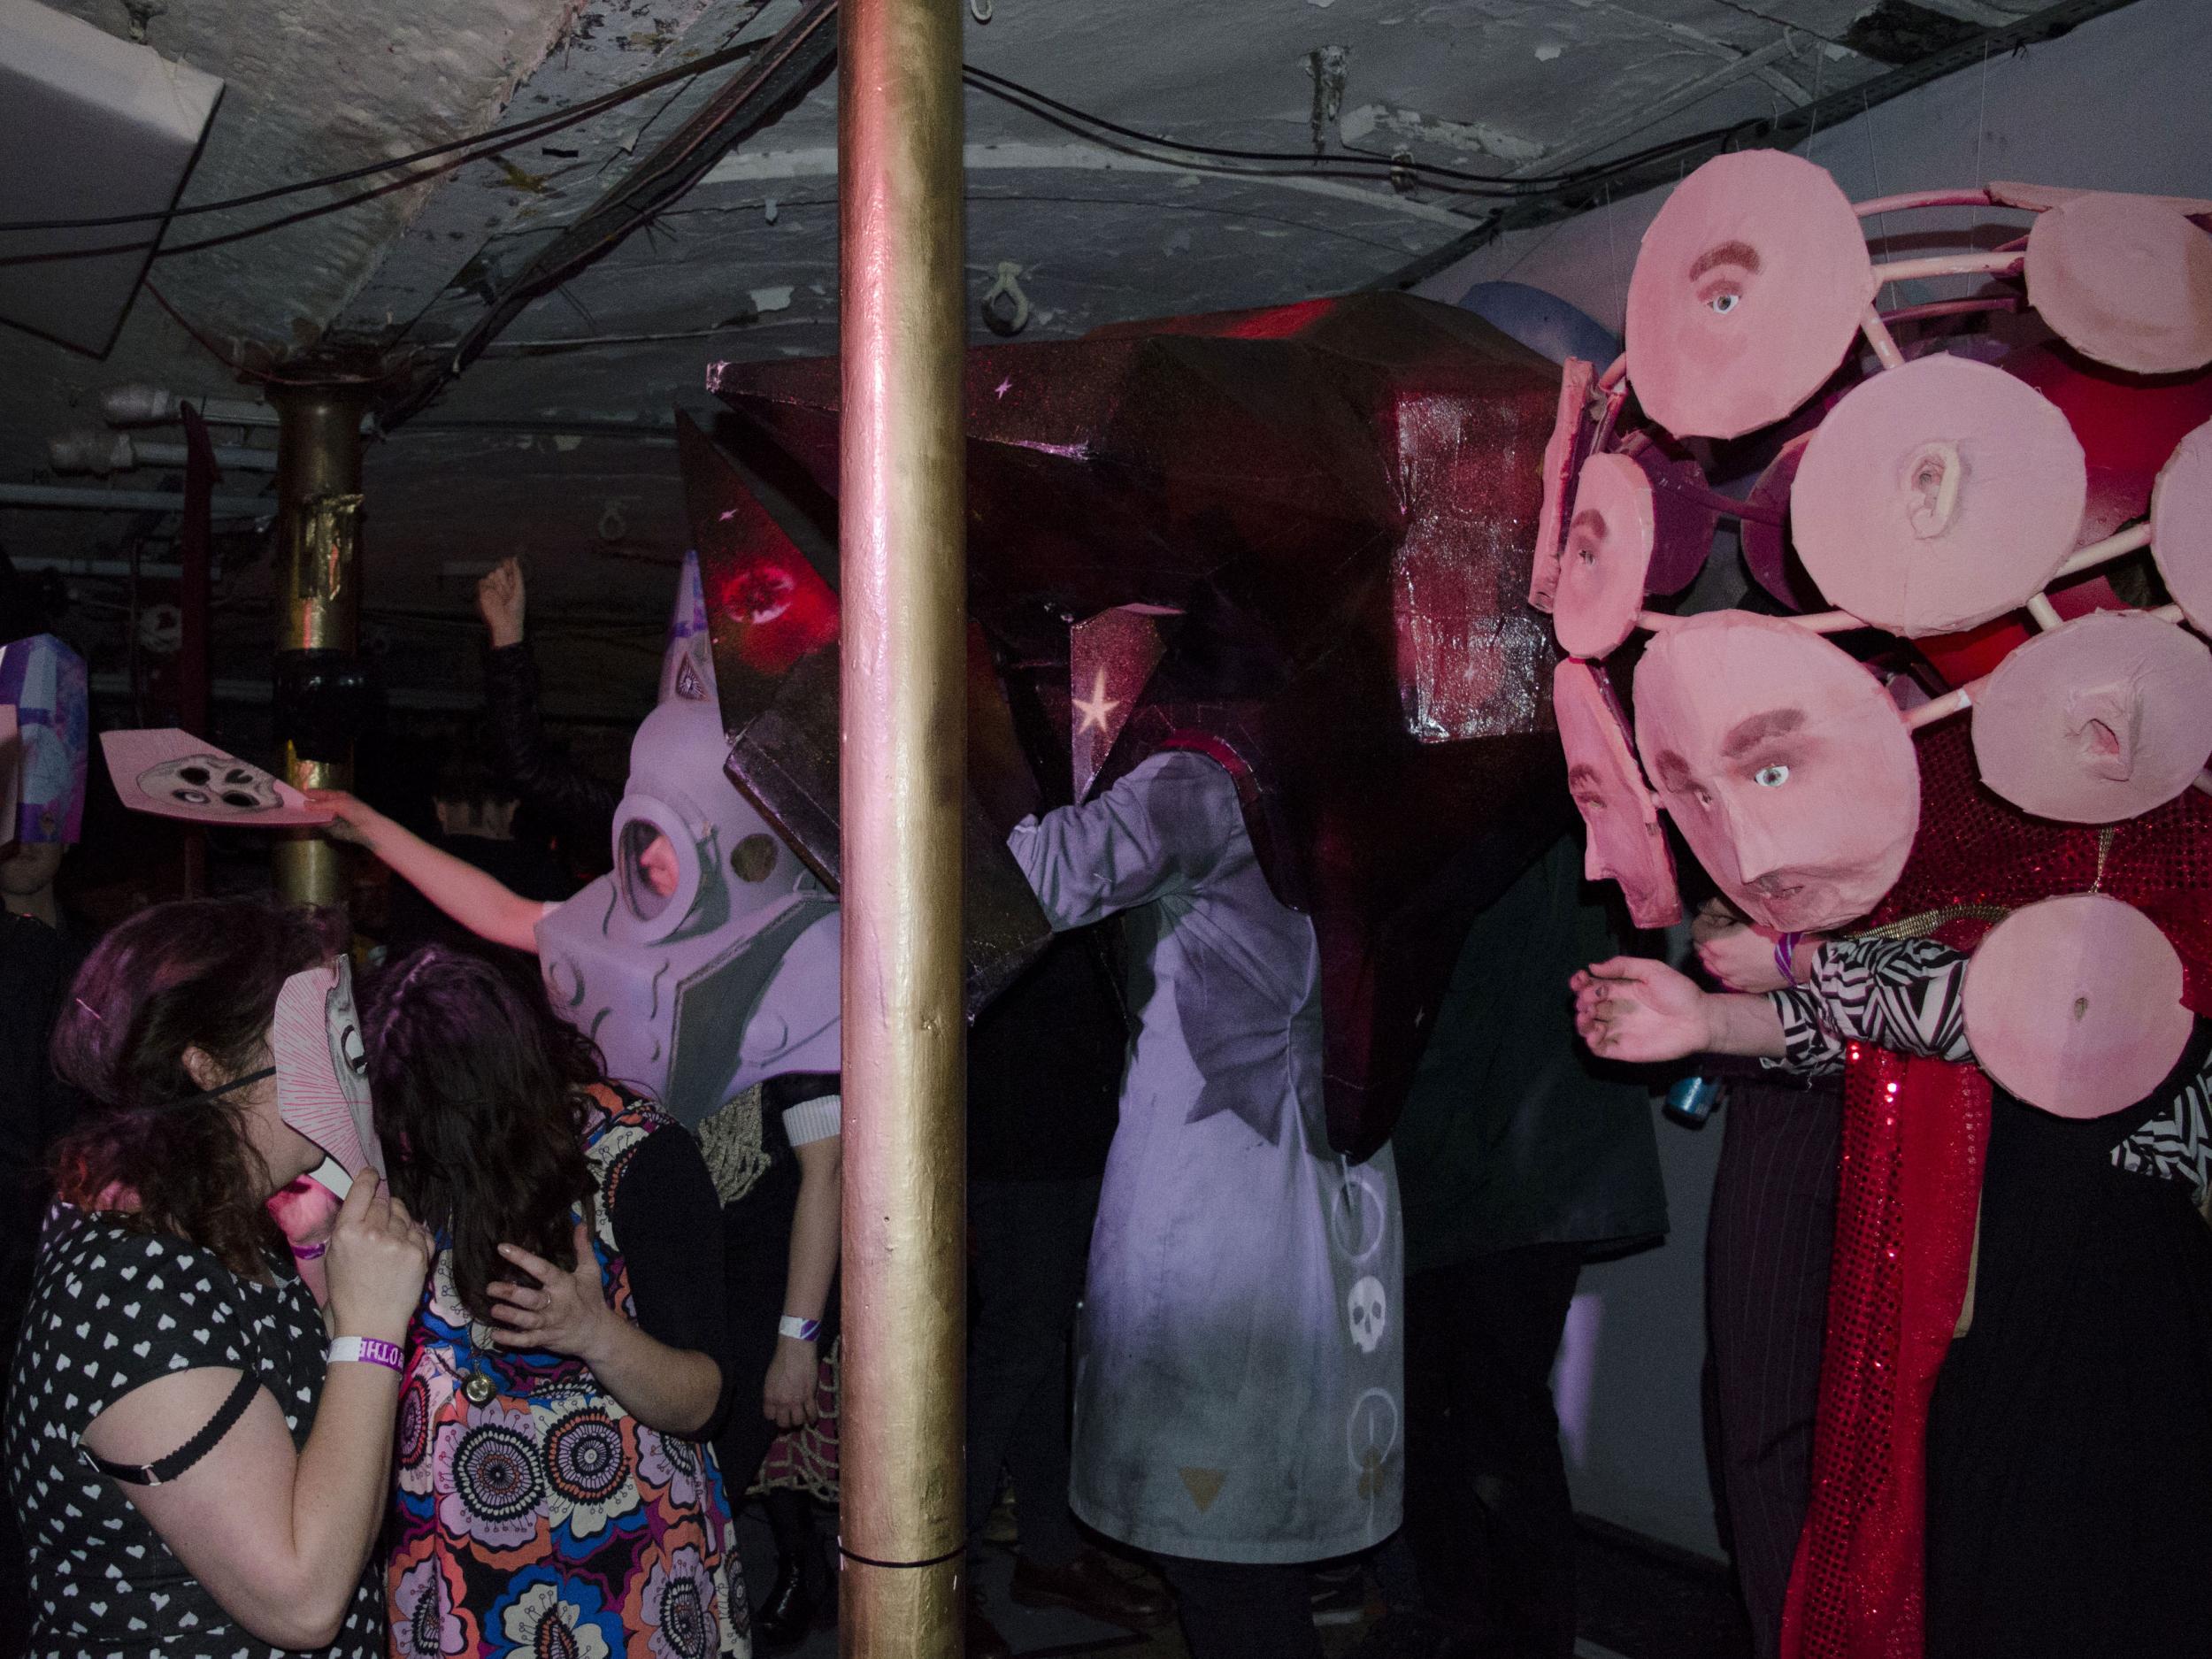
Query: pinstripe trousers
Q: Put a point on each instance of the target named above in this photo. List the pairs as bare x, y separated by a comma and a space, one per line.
1768, 1244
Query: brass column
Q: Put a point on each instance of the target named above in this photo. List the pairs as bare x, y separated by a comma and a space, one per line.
900, 509
319, 591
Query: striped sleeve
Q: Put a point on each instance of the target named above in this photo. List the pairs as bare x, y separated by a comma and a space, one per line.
1903, 994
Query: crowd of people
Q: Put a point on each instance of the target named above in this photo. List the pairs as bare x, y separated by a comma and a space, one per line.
507, 1393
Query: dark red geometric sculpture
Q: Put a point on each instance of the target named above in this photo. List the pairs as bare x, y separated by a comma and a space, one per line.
1329, 509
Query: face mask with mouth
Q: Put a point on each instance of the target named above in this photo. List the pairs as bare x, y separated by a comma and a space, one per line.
1784, 764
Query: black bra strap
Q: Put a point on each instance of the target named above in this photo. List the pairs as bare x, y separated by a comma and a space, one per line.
167, 1469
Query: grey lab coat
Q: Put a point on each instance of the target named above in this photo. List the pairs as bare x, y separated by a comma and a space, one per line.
1239, 1369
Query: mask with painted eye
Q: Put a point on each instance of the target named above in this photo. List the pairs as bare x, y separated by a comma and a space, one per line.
1784, 764
1746, 294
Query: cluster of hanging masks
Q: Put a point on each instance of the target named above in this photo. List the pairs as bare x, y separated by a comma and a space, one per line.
1972, 500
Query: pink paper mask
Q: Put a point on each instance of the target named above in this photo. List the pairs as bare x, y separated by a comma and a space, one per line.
322, 1073
2181, 526
175, 775
2099, 720
1563, 454
1748, 292
1783, 763
1626, 843
2074, 1005
1938, 496
2126, 279
1608, 551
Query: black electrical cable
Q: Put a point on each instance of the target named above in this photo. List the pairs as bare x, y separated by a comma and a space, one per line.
1068, 117
509, 137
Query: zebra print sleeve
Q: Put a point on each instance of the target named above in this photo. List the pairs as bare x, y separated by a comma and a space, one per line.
2177, 1145
1902, 995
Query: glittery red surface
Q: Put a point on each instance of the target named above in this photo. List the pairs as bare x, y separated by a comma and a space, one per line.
1909, 1176
1911, 1181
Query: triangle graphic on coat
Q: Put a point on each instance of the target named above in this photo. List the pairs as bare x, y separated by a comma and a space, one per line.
1203, 1485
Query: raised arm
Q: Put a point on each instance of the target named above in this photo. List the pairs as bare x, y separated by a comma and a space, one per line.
486, 908
278, 1536
1158, 830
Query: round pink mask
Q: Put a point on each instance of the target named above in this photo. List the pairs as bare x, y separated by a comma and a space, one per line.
2099, 720
2126, 279
1608, 551
1783, 763
2181, 526
1626, 841
2075, 1005
1748, 292
1938, 496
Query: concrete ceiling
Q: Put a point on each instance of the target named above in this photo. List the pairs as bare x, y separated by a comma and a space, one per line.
745, 264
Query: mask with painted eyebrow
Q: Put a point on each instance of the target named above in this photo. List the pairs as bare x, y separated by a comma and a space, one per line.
1748, 292
1784, 764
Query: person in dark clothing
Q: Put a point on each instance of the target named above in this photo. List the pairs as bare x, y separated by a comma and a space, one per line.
476, 815
1518, 1159
1769, 1240
578, 806
1044, 1073
36, 966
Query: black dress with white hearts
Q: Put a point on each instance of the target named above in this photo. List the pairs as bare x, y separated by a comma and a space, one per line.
111, 1309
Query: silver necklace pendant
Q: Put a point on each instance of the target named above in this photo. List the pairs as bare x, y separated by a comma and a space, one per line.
480, 1387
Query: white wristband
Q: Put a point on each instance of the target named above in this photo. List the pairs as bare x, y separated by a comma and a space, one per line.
799, 1330
366, 1351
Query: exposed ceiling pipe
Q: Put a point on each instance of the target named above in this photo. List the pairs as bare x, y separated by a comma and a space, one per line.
90, 500
142, 405
105, 452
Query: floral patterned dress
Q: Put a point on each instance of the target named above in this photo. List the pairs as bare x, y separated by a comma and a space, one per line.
535, 1516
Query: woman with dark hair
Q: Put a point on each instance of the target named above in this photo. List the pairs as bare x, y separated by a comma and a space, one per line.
196, 1473
556, 1490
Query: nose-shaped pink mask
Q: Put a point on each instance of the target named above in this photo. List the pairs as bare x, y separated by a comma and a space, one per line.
1784, 764
1748, 291
1626, 843
2097, 721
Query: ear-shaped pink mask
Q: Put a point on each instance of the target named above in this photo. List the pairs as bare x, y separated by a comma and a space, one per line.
1936, 496
2074, 1005
1626, 843
1748, 291
2099, 720
1783, 763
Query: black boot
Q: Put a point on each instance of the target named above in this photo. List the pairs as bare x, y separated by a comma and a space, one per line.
781, 1623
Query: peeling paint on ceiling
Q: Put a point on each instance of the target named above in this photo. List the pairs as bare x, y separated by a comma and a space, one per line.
746, 264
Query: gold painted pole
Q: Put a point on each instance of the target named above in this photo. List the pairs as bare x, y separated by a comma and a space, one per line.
318, 516
901, 532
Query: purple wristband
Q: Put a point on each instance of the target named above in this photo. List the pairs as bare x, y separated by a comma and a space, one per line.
366, 1351
310, 1252
1785, 956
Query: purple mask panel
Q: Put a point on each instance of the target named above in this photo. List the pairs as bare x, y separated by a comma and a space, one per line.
44, 681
